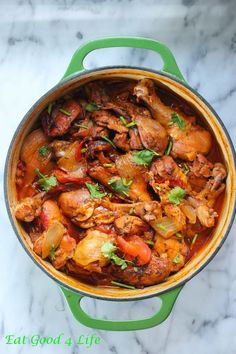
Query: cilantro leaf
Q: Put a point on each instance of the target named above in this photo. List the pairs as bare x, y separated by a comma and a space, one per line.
122, 285
144, 157
176, 260
68, 114
120, 185
108, 140
176, 195
45, 182
176, 119
44, 151
91, 107
94, 191
169, 147
108, 250
52, 253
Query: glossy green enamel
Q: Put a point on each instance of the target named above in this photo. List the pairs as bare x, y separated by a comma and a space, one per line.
170, 66
168, 300
75, 67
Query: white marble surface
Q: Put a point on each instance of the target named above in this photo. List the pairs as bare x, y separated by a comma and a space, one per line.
37, 39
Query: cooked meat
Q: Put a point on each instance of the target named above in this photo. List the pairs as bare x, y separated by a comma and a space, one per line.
106, 119
58, 122
29, 208
135, 142
155, 272
131, 180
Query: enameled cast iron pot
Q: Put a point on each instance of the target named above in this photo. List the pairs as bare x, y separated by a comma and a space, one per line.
171, 77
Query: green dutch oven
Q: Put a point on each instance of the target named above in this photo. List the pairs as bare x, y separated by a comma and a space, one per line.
170, 77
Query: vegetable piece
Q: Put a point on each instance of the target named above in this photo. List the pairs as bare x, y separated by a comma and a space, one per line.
131, 124
176, 260
94, 191
194, 240
126, 124
131, 211
45, 182
107, 164
135, 247
176, 195
122, 285
169, 147
44, 151
81, 126
189, 212
179, 235
68, 114
123, 120
83, 150
185, 169
89, 249
50, 108
109, 141
150, 243
91, 107
120, 185
108, 250
72, 160
144, 157
165, 227
52, 237
52, 254
176, 119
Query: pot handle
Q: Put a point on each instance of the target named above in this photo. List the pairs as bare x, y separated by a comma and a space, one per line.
168, 299
170, 66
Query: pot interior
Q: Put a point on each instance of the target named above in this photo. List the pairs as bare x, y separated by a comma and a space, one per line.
227, 212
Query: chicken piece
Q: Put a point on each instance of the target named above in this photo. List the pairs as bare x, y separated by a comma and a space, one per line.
174, 213
174, 250
131, 225
58, 123
29, 208
218, 175
166, 168
77, 205
207, 216
96, 93
127, 169
121, 141
64, 252
190, 141
97, 131
101, 174
145, 90
135, 142
152, 135
59, 147
104, 118
201, 166
49, 213
97, 146
37, 246
156, 271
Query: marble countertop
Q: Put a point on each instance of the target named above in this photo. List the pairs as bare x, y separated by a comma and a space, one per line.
37, 40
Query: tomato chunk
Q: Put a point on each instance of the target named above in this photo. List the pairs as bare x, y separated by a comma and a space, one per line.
135, 247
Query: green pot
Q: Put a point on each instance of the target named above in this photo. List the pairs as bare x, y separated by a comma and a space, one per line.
170, 77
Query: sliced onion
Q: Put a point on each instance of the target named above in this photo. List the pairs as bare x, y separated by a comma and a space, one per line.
52, 237
89, 249
189, 212
68, 161
165, 227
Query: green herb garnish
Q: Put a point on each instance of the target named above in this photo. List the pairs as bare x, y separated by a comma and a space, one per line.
123, 120
122, 285
158, 188
131, 211
44, 151
176, 260
107, 164
50, 108
125, 123
81, 126
68, 114
91, 107
169, 147
52, 253
144, 157
120, 185
131, 124
161, 227
108, 250
94, 191
45, 182
194, 240
176, 195
179, 235
109, 141
83, 150
185, 169
176, 119
150, 243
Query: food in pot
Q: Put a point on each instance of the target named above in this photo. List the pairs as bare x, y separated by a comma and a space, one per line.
120, 184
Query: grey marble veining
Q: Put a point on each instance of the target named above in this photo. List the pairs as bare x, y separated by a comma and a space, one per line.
37, 40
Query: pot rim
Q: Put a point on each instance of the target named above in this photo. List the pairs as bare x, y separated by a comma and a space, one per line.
24, 119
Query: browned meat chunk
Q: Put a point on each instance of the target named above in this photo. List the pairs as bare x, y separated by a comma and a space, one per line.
96, 93
29, 208
64, 252
155, 272
135, 142
130, 225
201, 166
59, 147
106, 119
58, 123
76, 204
121, 141
166, 168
